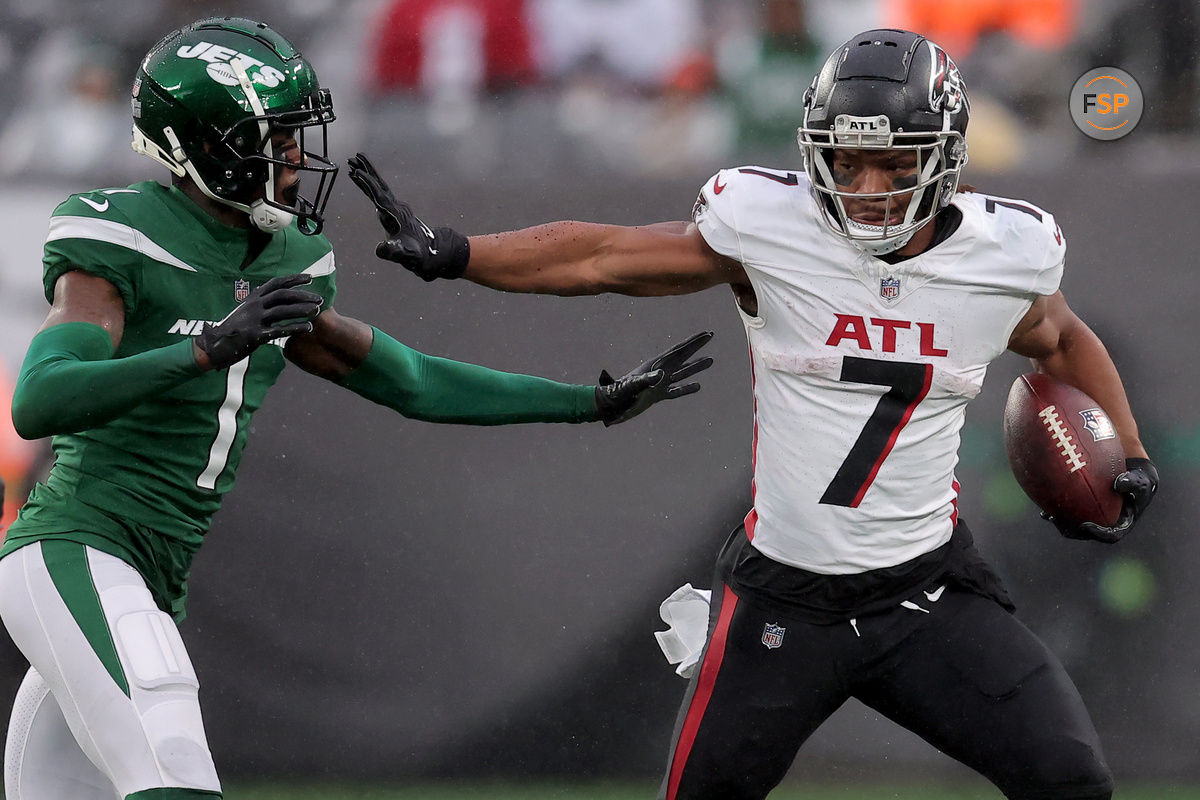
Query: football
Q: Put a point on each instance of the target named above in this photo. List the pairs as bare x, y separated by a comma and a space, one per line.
1063, 450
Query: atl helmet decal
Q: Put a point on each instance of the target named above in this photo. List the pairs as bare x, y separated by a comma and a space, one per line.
946, 88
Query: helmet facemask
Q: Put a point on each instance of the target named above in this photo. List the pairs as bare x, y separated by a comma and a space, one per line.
939, 160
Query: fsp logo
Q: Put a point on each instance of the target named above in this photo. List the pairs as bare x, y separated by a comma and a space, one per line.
219, 67
1106, 103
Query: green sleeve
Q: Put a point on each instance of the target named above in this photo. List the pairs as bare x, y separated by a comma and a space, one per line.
440, 390
70, 381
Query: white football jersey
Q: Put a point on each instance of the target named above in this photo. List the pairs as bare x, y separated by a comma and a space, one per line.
862, 370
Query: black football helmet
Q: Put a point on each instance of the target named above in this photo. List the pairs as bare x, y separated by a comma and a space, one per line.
887, 90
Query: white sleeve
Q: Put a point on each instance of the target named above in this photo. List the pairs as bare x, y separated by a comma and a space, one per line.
1050, 273
714, 216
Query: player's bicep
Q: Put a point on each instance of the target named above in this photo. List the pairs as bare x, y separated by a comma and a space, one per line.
82, 297
661, 259
334, 347
1045, 328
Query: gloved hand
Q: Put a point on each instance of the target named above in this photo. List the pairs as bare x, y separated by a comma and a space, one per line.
271, 311
618, 400
428, 253
1138, 483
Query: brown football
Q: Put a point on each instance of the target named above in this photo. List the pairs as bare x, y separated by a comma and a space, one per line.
1063, 450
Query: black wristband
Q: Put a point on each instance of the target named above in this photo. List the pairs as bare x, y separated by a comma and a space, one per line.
453, 253
1143, 464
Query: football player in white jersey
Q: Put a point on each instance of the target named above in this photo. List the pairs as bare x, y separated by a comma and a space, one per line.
874, 292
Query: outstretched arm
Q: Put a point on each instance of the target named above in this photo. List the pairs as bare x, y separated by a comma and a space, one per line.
577, 258
564, 258
372, 364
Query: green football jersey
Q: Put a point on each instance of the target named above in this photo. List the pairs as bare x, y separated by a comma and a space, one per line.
144, 486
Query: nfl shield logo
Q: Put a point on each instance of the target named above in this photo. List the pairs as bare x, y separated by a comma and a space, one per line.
241, 289
1098, 424
773, 635
889, 288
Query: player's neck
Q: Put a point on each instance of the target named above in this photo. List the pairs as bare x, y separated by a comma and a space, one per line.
222, 213
931, 234
921, 241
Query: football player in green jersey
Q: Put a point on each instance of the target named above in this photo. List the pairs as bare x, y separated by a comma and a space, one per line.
173, 309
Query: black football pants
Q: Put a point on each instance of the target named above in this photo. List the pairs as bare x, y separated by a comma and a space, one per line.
955, 668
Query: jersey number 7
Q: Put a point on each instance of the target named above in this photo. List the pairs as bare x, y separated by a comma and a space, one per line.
907, 383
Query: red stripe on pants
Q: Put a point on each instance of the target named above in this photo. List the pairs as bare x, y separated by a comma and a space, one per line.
704, 689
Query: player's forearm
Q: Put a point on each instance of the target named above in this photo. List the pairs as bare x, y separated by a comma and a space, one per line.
440, 390
1082, 361
70, 382
584, 258
557, 258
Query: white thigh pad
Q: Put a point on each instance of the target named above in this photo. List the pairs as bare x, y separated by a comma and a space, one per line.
164, 688
153, 650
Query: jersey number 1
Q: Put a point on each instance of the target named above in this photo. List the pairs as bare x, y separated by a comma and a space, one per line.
218, 453
907, 383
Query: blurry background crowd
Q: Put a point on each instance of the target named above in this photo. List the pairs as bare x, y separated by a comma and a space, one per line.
380, 598
645, 86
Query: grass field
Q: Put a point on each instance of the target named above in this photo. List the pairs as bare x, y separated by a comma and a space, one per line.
646, 791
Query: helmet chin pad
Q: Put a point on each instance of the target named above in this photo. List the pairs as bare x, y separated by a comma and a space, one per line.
878, 246
269, 218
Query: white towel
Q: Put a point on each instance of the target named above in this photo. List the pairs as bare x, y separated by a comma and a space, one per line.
686, 612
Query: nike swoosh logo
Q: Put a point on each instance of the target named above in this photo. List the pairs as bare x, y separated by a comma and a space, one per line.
718, 187
101, 207
432, 250
936, 594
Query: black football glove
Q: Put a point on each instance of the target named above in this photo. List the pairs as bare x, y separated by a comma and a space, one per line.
271, 311
624, 398
429, 253
1139, 483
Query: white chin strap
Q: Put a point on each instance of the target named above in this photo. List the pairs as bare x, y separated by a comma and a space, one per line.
265, 217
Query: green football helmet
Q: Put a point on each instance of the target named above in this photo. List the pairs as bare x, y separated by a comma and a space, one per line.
206, 101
